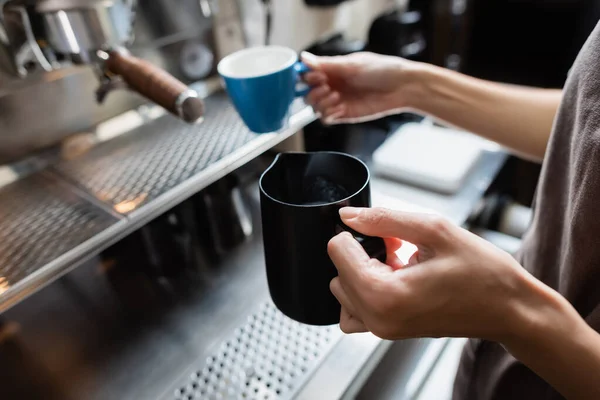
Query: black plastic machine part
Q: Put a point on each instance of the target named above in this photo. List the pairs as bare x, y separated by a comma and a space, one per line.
301, 195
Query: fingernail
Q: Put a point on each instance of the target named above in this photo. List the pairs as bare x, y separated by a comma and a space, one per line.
349, 212
309, 58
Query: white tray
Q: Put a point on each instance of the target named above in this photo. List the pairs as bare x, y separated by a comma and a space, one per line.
428, 156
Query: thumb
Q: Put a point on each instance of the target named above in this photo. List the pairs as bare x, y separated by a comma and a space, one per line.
420, 229
326, 64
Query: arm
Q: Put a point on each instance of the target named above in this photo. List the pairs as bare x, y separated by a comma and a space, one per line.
459, 285
364, 86
559, 346
519, 118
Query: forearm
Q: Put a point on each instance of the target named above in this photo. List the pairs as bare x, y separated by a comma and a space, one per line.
519, 118
558, 345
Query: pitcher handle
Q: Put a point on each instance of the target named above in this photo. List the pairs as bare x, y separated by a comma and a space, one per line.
374, 246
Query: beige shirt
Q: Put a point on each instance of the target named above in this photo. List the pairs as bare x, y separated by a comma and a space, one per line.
562, 247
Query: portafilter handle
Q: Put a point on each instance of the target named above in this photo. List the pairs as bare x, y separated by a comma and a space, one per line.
156, 85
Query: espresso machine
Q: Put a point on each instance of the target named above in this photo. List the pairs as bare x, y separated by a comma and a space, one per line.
60, 59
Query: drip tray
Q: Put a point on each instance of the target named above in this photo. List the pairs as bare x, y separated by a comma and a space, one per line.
269, 358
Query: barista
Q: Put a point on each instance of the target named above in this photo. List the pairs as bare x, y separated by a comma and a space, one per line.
532, 319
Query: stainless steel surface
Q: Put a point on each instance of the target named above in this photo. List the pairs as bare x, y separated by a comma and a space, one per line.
160, 22
10, 46
20, 45
207, 8
403, 371
55, 5
358, 354
72, 29
270, 357
188, 110
133, 170
140, 174
114, 332
84, 30
40, 219
105, 332
3, 34
39, 109
39, 114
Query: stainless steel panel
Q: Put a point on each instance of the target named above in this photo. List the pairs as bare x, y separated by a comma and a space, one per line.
403, 371
105, 332
40, 220
167, 20
47, 107
270, 357
168, 192
130, 171
113, 333
89, 28
40, 112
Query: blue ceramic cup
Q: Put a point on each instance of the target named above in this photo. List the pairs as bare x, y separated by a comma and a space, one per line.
262, 82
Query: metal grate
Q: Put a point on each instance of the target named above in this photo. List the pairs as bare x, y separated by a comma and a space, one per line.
269, 358
39, 221
130, 171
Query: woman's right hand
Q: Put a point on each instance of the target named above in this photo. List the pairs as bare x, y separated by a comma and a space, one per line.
357, 87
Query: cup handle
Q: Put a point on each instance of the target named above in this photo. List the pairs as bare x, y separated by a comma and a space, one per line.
301, 69
374, 246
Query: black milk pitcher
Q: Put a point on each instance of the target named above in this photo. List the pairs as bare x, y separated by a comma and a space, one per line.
300, 196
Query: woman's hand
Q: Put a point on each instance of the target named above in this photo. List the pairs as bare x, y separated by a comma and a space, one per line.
458, 285
455, 285
358, 87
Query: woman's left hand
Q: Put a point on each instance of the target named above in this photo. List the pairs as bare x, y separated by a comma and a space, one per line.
456, 284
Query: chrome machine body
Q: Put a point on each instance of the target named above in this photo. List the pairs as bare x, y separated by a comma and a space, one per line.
59, 59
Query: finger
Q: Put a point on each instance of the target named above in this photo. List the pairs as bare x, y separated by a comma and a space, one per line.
420, 229
317, 94
349, 320
348, 256
325, 64
334, 114
311, 60
331, 100
352, 262
314, 78
342, 297
350, 324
